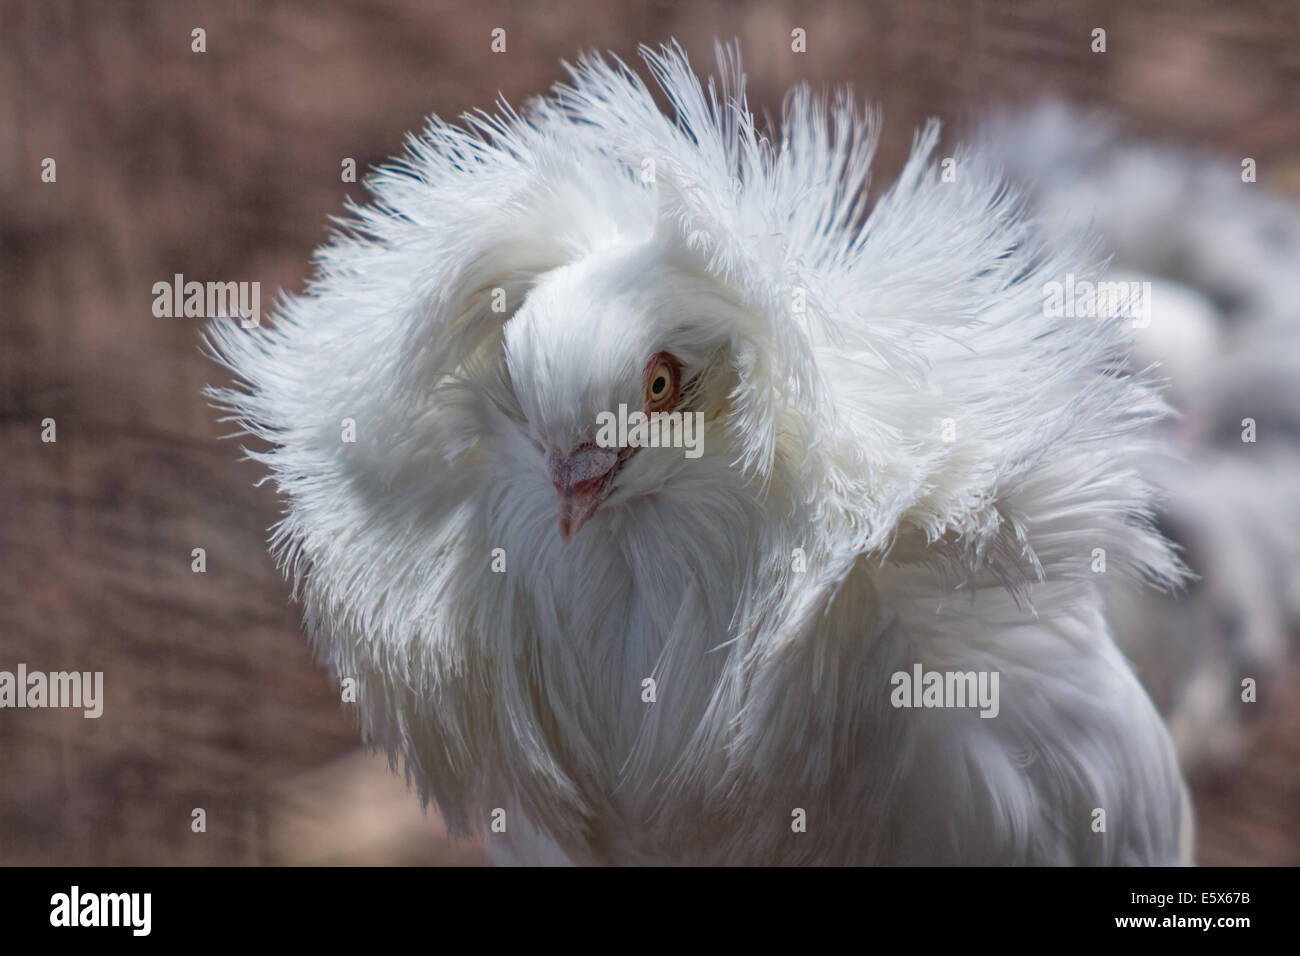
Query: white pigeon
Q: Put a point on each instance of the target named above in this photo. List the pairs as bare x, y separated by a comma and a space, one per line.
613, 653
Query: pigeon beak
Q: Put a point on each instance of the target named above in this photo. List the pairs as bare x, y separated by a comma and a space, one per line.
582, 480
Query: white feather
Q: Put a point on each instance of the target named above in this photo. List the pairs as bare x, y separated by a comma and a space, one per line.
922, 320
1220, 253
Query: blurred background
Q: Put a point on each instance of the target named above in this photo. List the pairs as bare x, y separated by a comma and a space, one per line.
225, 165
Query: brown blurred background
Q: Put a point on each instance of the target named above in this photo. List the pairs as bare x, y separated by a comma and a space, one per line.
225, 165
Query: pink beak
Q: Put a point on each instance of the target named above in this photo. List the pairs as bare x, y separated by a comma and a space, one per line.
582, 481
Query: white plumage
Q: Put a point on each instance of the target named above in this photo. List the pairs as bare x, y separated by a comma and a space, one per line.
905, 461
1220, 251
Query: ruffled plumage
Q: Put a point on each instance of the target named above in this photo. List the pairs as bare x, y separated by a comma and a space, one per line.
908, 461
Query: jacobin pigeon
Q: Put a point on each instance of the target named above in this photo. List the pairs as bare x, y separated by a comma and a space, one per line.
670, 498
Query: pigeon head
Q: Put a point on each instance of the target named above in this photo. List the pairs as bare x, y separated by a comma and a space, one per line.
615, 360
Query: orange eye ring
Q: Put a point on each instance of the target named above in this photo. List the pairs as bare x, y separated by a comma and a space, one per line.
663, 374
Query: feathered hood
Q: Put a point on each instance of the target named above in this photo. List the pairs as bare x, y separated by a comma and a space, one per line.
907, 340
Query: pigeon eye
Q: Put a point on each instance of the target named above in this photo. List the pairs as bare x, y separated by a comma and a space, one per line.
661, 382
